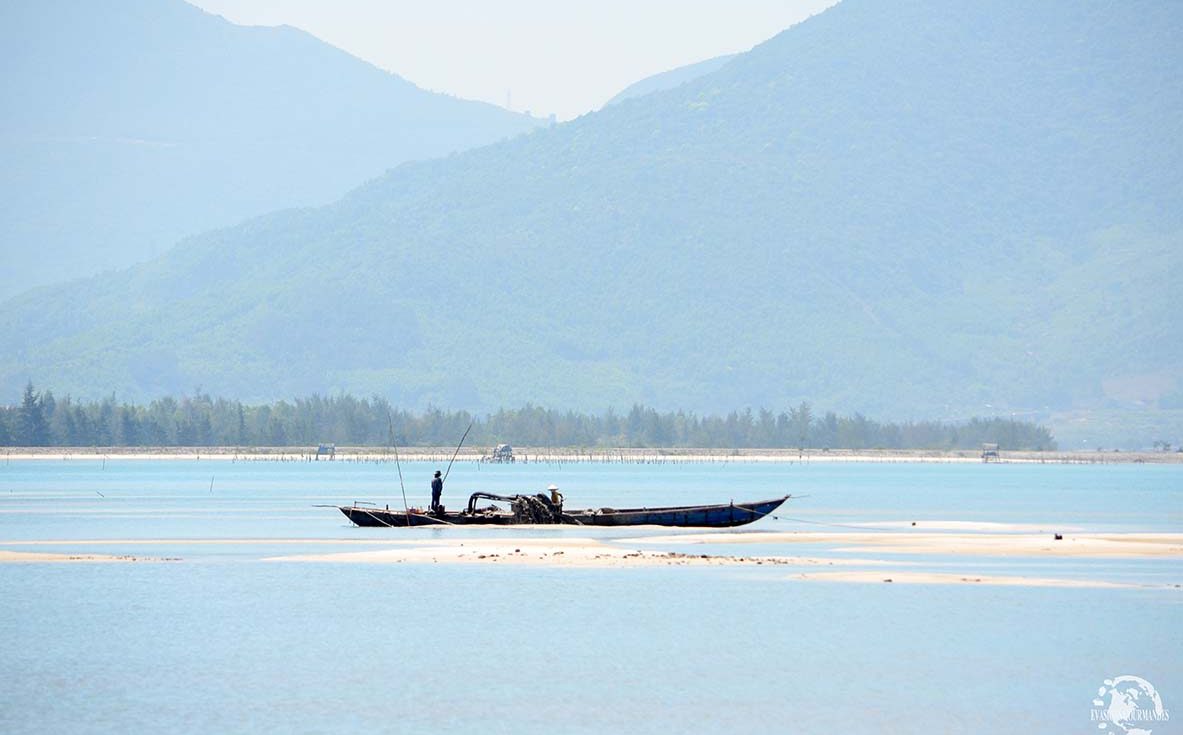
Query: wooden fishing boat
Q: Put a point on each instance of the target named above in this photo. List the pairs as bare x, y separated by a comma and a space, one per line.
541, 509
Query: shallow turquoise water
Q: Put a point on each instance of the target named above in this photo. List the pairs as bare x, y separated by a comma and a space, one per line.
224, 642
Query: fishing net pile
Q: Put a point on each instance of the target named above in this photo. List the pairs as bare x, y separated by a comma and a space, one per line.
535, 509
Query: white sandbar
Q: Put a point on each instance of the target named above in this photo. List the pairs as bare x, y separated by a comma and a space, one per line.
572, 552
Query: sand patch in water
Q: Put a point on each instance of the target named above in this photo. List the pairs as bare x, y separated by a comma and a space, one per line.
20, 557
910, 577
574, 552
1092, 545
987, 526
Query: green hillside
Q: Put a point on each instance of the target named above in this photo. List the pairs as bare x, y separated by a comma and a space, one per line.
920, 209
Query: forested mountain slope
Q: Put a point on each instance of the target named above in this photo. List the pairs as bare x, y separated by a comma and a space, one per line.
128, 124
923, 208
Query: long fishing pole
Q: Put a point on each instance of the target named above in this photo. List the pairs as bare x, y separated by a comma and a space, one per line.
457, 450
393, 443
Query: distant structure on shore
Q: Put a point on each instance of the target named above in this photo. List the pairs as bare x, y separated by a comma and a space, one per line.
500, 453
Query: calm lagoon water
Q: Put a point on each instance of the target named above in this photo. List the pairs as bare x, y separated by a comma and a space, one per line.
222, 641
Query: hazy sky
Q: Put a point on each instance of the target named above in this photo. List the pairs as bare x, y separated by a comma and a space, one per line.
562, 56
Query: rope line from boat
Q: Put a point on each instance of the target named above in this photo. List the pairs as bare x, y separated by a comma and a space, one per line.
747, 510
832, 525
756, 513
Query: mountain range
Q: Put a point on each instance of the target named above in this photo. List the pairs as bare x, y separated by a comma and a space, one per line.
129, 124
912, 209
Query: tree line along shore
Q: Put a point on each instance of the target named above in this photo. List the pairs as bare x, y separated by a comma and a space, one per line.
441, 455
43, 420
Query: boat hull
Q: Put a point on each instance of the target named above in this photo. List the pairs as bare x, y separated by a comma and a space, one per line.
726, 515
378, 518
701, 516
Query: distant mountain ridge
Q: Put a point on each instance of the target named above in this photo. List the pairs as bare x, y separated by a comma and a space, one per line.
131, 123
670, 79
914, 210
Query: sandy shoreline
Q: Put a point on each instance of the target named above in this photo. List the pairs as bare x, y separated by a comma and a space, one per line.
564, 552
545, 455
855, 557
1003, 545
589, 553
1028, 545
19, 557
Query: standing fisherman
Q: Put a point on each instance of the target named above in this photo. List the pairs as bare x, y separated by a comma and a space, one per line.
437, 489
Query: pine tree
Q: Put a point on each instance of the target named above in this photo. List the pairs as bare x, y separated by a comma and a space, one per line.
5, 434
32, 428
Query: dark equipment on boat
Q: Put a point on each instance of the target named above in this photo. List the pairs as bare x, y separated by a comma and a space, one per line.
525, 508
